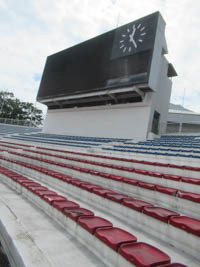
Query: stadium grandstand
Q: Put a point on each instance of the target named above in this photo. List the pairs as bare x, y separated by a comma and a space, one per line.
108, 181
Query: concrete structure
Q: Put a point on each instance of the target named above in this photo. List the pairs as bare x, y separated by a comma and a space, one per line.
182, 120
130, 95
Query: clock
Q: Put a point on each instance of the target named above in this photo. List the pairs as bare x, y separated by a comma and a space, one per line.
132, 37
135, 37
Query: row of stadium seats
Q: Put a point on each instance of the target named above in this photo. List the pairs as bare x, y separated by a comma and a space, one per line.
76, 138
154, 167
112, 244
58, 141
174, 141
145, 168
143, 152
139, 175
159, 149
52, 142
44, 173
184, 173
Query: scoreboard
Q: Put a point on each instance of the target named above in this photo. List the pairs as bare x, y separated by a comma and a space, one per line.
119, 58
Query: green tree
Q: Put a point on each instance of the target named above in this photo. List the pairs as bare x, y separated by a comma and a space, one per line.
13, 108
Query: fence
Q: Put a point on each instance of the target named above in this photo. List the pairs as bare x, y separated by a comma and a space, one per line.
18, 122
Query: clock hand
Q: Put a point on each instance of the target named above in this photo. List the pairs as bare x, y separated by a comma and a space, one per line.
133, 33
131, 39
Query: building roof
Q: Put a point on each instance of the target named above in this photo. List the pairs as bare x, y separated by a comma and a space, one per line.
174, 108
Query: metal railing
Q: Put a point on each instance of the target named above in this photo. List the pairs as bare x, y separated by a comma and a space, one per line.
18, 122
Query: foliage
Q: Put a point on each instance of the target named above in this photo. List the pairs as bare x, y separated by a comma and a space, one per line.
13, 108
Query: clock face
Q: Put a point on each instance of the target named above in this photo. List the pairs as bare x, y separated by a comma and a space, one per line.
135, 37
132, 38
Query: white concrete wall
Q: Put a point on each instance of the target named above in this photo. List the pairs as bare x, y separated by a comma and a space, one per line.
122, 121
161, 98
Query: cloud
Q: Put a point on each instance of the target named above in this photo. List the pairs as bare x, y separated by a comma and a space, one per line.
32, 30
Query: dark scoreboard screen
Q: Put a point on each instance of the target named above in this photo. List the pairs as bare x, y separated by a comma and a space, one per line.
119, 58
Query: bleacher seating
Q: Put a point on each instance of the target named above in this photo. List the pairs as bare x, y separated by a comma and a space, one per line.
98, 228
147, 190
6, 129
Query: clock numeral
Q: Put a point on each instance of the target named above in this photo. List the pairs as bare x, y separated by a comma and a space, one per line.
121, 46
123, 35
129, 50
142, 34
121, 41
139, 26
142, 29
140, 40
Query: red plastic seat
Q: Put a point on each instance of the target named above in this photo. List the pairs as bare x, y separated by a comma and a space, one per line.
155, 174
51, 173
114, 237
171, 177
190, 180
130, 181
187, 224
34, 188
104, 175
57, 175
93, 172
116, 177
91, 224
148, 162
19, 179
33, 184
175, 166
166, 190
74, 214
144, 172
69, 166
42, 193
117, 197
192, 168
85, 170
61, 205
44, 170
90, 187
77, 182
128, 169
136, 204
147, 185
134, 160
76, 168
159, 213
14, 176
143, 255
102, 191
160, 164
117, 167
66, 178
189, 196
51, 199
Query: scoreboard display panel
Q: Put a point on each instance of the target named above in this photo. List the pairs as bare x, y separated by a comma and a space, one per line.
119, 58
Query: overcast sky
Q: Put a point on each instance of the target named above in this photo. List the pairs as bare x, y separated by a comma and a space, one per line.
30, 30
